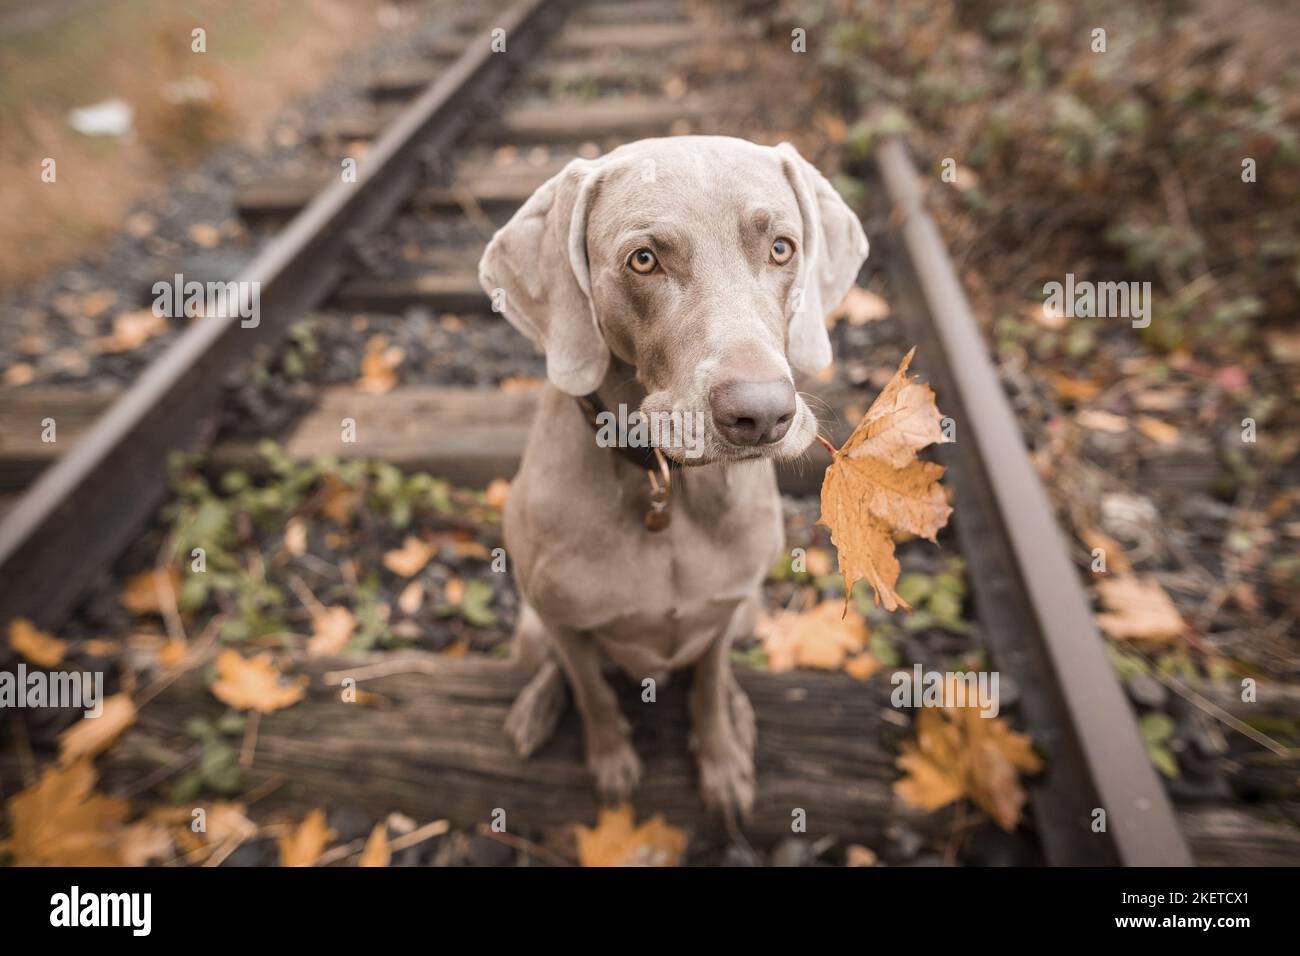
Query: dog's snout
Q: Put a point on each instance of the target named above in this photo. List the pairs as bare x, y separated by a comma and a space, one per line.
753, 413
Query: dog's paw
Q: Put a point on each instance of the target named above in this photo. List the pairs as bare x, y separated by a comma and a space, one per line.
617, 769
727, 778
536, 711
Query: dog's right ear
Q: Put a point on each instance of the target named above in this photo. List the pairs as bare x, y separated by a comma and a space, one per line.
535, 269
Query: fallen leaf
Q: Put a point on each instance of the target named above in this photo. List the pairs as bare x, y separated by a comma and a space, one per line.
331, 630
498, 490
859, 307
340, 499
411, 598
410, 558
615, 841
140, 594
824, 637
957, 753
1072, 389
131, 330
1046, 316
515, 384
61, 821
1100, 421
857, 855
295, 537
1162, 433
254, 684
1112, 550
1137, 609
304, 844
91, 736
173, 653
145, 842
19, 374
454, 593
37, 647
876, 486
377, 852
101, 646
204, 234
378, 366
97, 303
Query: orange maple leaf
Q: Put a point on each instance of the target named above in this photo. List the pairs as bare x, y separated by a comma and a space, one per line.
876, 486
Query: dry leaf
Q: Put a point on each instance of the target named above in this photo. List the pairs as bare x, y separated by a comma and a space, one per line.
857, 855
93, 735
37, 647
1100, 421
172, 654
410, 558
959, 753
1112, 550
331, 630
19, 374
340, 499
1046, 316
204, 234
304, 844
411, 598
859, 307
1162, 433
516, 383
131, 330
61, 821
378, 366
101, 647
140, 594
1072, 389
377, 852
615, 841
295, 537
145, 842
1138, 609
254, 684
455, 591
823, 637
876, 486
498, 490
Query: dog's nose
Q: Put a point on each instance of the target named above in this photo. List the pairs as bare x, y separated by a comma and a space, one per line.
752, 413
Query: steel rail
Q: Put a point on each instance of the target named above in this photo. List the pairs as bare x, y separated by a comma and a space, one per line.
86, 508
1031, 603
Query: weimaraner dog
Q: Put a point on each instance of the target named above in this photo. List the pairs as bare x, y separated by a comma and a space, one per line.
685, 277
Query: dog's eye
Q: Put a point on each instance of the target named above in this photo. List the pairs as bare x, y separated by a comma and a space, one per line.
642, 262
782, 250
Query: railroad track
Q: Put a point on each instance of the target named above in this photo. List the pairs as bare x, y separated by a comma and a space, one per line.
436, 147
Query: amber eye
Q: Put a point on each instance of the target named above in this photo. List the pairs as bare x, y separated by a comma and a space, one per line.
782, 250
643, 262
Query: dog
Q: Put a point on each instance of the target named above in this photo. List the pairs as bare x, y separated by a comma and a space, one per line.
687, 276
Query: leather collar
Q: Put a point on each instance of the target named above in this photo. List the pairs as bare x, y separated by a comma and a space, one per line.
642, 456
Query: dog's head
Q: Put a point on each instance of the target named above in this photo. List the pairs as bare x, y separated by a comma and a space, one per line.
706, 263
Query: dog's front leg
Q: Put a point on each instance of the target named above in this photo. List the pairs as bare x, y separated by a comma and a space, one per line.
723, 731
610, 756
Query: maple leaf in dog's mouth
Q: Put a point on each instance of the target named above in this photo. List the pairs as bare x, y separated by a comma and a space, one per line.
876, 486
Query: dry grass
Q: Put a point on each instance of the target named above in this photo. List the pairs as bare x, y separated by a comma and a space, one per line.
260, 54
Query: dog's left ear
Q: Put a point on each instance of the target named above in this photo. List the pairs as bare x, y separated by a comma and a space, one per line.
834, 247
